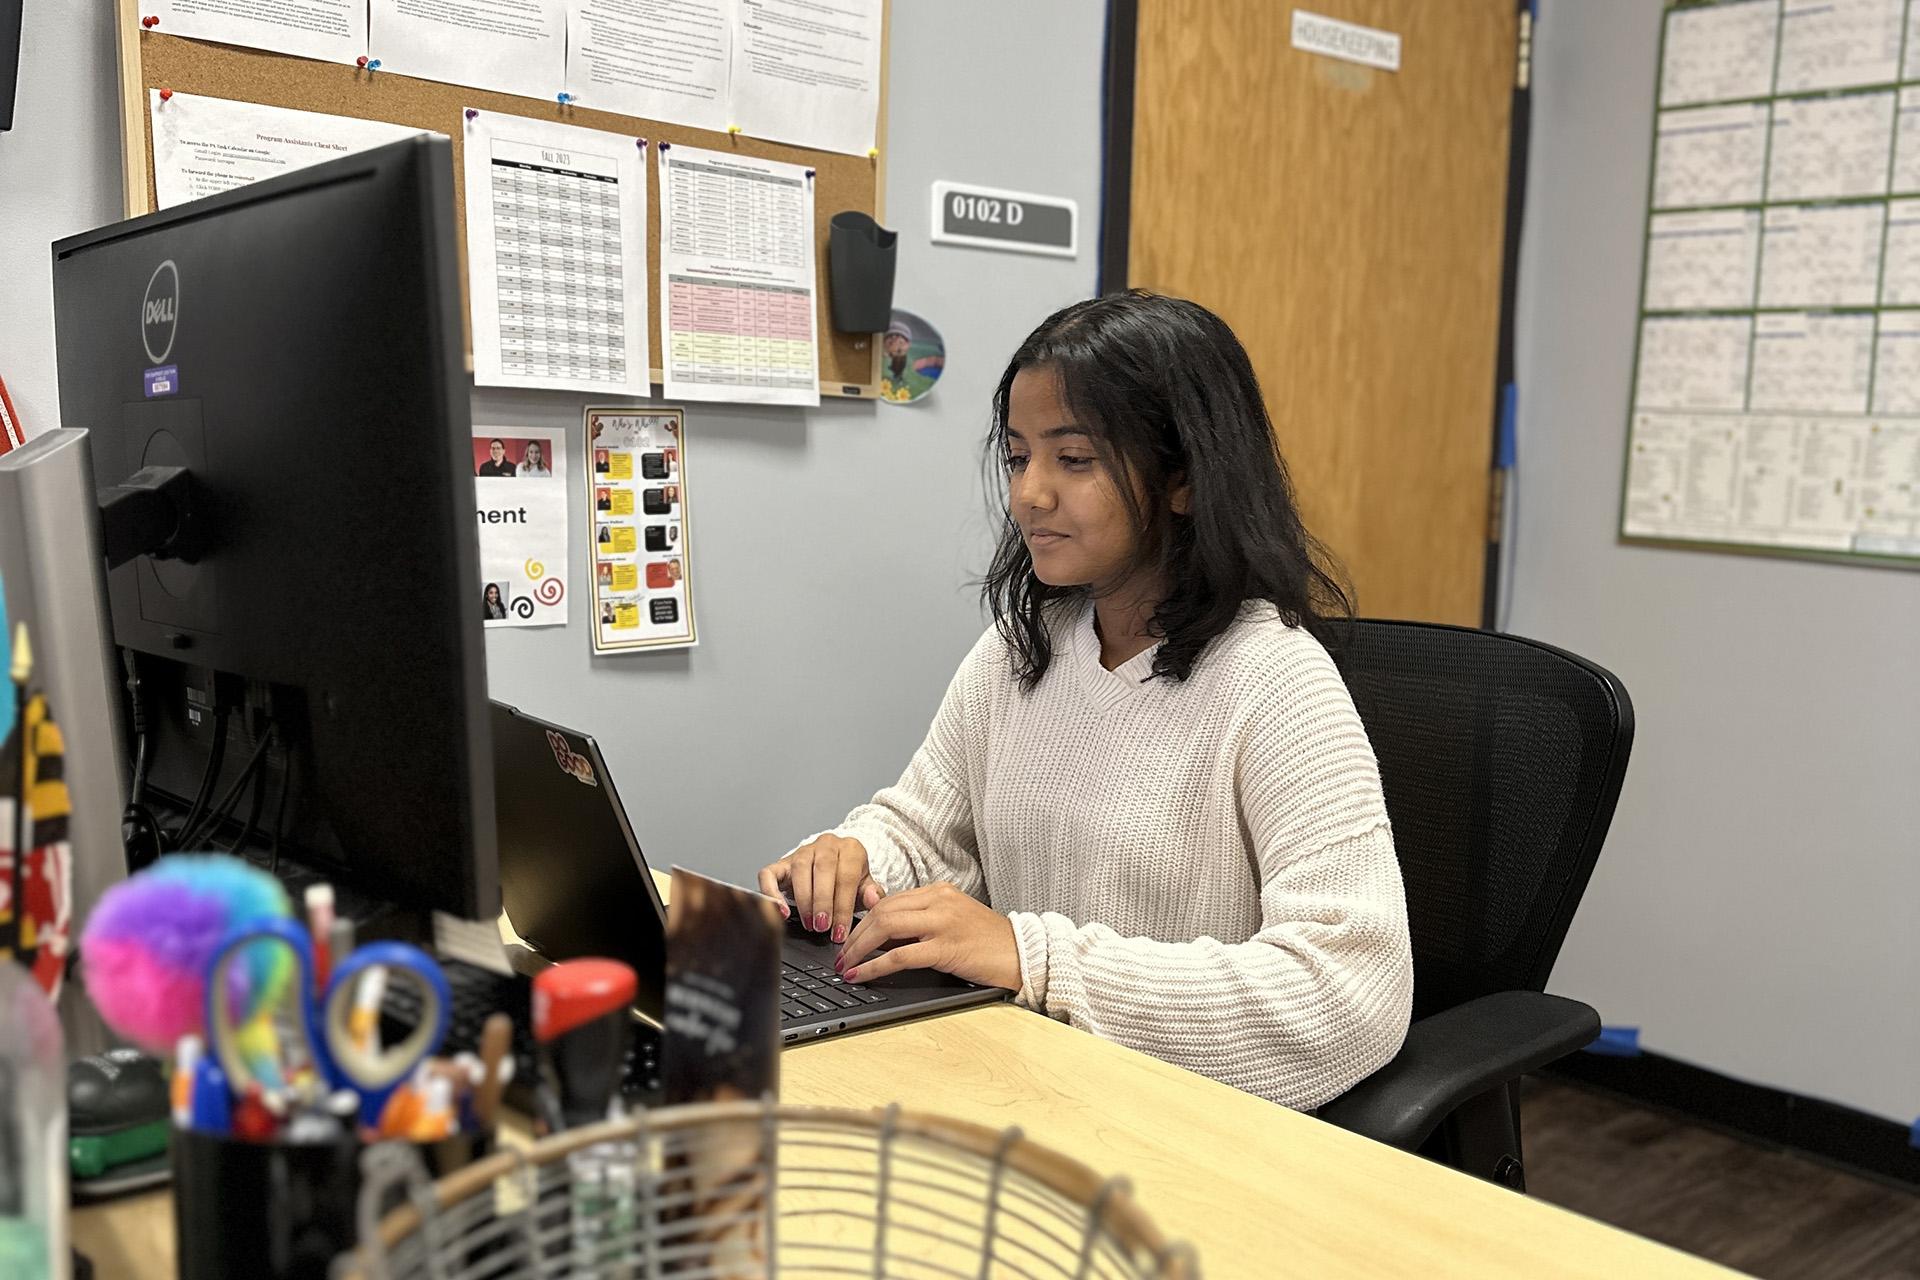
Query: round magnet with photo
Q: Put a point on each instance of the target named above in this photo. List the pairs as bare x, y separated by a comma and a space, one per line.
912, 357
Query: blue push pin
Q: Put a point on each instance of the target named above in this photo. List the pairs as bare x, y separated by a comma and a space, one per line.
563, 98
374, 65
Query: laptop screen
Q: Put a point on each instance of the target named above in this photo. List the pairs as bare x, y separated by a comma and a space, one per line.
572, 877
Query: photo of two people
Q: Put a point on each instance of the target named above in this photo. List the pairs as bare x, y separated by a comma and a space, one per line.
506, 457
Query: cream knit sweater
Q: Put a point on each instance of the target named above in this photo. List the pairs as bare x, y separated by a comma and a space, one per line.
1202, 870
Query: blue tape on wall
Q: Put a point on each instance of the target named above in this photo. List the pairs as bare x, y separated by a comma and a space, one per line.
1617, 1042
1504, 448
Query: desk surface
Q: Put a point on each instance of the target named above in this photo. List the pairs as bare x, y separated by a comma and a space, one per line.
1257, 1189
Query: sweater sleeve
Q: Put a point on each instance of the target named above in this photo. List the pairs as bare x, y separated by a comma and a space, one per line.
921, 829
1320, 996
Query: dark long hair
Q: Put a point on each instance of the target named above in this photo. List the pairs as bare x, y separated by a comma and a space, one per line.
1170, 398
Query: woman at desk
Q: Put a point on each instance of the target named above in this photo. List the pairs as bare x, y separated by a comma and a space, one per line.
1146, 804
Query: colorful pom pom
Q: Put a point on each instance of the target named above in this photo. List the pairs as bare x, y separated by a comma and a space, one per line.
147, 943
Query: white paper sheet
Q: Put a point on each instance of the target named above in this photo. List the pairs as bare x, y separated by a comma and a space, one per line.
1719, 53
1900, 275
1831, 44
1770, 447
1890, 482
1813, 362
1701, 260
1693, 362
1656, 474
1896, 363
638, 518
1831, 148
327, 30
659, 59
1826, 490
508, 46
520, 499
738, 318
1821, 255
556, 255
1906, 143
203, 146
807, 72
1711, 155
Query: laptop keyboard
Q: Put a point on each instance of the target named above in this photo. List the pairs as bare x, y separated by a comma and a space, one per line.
811, 989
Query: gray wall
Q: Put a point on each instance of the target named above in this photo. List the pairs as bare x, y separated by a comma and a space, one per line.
1754, 909
832, 547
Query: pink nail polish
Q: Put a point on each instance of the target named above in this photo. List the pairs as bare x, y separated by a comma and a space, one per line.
839, 933
839, 962
820, 923
851, 975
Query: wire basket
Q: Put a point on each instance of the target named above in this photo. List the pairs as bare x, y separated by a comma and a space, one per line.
725, 1191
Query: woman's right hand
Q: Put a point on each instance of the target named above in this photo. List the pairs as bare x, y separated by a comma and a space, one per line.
828, 880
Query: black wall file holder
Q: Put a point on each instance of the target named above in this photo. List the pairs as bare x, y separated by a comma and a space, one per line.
860, 263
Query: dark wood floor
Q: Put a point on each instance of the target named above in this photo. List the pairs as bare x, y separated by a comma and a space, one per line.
1759, 1210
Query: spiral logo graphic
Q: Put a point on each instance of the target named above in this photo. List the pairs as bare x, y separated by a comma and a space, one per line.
549, 591
535, 570
523, 607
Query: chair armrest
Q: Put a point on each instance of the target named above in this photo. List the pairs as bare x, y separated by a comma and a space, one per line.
1457, 1054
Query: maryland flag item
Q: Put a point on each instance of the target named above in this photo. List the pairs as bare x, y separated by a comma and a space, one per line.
36, 898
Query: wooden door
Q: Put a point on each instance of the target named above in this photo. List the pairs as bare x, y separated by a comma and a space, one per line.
1348, 223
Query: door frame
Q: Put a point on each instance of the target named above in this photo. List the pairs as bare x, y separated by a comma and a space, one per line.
1116, 227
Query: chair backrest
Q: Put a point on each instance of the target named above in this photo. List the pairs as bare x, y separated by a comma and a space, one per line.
1501, 759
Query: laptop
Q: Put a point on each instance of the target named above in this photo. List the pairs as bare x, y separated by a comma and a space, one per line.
575, 883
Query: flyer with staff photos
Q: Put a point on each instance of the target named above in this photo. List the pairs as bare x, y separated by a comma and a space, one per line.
636, 515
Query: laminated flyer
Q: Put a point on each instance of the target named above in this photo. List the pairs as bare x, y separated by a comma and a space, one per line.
636, 490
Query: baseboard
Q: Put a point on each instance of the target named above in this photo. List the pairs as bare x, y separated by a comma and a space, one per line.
1841, 1136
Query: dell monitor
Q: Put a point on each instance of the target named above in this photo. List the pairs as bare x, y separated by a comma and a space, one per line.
271, 380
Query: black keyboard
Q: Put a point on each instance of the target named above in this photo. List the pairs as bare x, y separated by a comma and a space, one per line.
809, 990
477, 993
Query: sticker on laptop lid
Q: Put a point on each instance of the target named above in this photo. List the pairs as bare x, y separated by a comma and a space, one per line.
570, 761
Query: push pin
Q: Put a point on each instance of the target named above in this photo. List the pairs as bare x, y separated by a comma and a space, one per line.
640, 143
374, 65
873, 153
733, 128
563, 98
472, 114
361, 62
165, 94
149, 22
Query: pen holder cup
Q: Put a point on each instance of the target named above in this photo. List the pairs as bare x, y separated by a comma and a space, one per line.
277, 1210
860, 262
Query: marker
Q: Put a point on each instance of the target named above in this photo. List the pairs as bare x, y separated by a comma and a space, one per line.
186, 1062
581, 1019
320, 925
212, 1103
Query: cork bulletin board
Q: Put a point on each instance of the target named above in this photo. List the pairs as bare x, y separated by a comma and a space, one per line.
849, 363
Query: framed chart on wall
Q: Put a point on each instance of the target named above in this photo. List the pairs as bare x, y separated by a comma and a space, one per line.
1776, 387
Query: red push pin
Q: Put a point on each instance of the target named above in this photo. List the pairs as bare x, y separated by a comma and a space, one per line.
361, 62
149, 22
165, 94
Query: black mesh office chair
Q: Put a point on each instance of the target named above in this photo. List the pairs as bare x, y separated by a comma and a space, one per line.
1501, 759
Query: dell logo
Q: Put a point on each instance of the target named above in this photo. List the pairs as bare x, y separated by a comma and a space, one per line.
159, 312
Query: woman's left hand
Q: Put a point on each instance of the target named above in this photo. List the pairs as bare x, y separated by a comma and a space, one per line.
934, 927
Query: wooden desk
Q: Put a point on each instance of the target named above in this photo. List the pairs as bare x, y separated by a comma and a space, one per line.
1259, 1190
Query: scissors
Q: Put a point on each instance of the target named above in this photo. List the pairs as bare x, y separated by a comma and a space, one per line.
325, 1015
